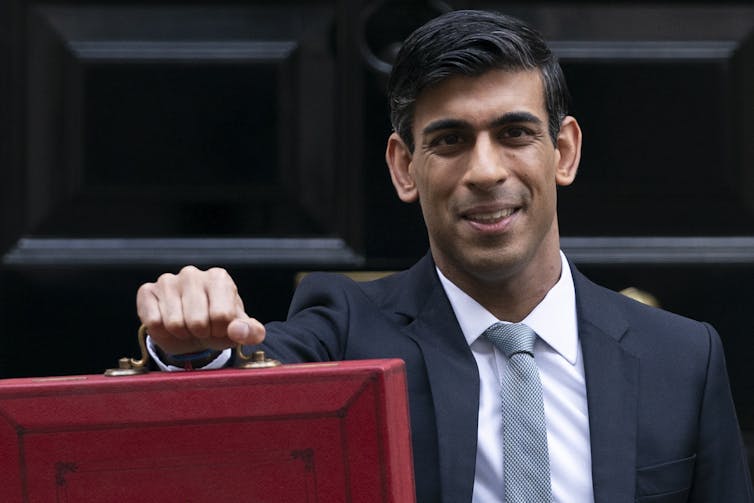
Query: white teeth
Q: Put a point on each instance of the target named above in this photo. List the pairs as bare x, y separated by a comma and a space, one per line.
491, 217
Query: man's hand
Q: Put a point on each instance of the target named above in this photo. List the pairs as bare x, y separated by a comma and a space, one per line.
196, 310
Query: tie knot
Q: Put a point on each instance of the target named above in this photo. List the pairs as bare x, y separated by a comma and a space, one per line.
511, 338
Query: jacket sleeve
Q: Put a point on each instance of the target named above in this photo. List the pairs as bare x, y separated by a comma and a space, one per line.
721, 472
318, 321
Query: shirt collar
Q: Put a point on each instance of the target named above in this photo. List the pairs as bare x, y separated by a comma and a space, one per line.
553, 319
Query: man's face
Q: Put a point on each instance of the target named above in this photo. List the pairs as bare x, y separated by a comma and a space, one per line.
485, 171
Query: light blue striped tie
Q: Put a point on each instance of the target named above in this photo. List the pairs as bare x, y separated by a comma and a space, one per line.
526, 462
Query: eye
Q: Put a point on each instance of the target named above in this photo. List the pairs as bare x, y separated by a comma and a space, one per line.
515, 132
448, 139
517, 135
447, 143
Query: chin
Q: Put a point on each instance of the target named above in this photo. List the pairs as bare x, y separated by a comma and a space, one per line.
492, 266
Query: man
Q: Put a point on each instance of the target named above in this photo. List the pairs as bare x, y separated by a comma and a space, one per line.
636, 400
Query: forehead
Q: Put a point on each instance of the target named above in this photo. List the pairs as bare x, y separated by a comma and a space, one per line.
481, 99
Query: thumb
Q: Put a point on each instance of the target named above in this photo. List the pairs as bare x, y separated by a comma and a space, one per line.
246, 330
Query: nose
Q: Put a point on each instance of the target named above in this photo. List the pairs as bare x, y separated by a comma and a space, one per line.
486, 168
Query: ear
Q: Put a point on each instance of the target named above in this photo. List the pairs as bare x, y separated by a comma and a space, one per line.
569, 150
398, 158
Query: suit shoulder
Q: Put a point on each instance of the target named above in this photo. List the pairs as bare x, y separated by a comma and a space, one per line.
601, 301
328, 284
658, 318
399, 295
648, 328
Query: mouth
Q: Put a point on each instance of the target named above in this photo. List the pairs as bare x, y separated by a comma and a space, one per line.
490, 220
490, 217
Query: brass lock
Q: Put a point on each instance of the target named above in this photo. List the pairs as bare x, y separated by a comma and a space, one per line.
129, 366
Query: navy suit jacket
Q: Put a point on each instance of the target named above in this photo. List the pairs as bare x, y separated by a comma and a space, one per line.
662, 422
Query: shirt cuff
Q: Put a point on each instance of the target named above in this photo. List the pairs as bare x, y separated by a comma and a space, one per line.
221, 361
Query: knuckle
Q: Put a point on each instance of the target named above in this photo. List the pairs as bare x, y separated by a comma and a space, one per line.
218, 274
219, 277
166, 278
145, 289
189, 270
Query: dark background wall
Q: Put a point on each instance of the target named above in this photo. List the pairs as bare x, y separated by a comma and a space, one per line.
138, 136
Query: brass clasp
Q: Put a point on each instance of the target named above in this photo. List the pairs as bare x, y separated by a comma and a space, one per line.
129, 366
257, 360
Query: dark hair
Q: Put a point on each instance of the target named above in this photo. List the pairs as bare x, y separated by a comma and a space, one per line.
468, 42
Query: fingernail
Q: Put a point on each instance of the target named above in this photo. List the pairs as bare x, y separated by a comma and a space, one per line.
245, 331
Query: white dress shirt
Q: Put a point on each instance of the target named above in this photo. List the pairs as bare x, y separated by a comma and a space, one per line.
221, 361
558, 355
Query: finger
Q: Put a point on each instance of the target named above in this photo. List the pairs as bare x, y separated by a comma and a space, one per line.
223, 302
147, 307
170, 303
195, 308
246, 330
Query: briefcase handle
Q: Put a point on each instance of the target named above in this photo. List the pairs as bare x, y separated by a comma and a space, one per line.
129, 366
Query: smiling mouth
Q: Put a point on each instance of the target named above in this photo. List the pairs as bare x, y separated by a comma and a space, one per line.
491, 217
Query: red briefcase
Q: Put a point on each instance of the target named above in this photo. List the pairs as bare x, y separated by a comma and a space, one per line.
327, 432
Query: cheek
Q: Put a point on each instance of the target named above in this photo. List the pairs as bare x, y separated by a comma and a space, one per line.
436, 198
537, 173
437, 180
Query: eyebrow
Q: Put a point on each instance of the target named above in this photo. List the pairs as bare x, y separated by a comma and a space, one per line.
442, 124
516, 117
508, 118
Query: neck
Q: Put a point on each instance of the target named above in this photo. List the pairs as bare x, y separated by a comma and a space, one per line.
513, 300
512, 294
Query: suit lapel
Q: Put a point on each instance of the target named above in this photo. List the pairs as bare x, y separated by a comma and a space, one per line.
612, 386
612, 375
454, 380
